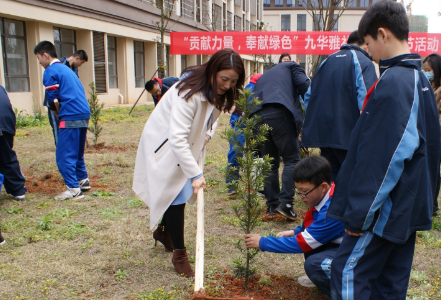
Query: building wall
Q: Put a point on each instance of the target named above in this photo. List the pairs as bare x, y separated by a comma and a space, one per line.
133, 23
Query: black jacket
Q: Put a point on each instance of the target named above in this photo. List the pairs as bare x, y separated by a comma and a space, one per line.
7, 115
283, 84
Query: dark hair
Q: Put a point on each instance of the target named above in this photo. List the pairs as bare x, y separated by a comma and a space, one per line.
434, 60
203, 79
149, 85
81, 54
387, 14
283, 55
46, 47
313, 169
354, 38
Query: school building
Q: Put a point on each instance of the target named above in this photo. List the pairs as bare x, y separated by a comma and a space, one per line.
119, 36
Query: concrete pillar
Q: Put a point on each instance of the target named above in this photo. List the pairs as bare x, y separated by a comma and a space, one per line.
191, 60
121, 61
84, 41
151, 64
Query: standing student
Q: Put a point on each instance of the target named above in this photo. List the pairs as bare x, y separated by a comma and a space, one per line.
279, 89
167, 174
335, 98
73, 62
385, 187
63, 85
158, 87
14, 180
432, 70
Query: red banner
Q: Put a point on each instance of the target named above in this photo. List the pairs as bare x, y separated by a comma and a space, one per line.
277, 42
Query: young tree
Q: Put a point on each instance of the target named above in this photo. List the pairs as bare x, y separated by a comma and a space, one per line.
324, 14
252, 170
95, 113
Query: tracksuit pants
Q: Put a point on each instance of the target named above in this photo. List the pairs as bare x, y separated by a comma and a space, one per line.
70, 155
55, 124
232, 155
335, 157
370, 267
14, 179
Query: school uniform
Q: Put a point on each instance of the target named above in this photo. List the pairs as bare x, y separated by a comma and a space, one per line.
74, 114
165, 84
386, 184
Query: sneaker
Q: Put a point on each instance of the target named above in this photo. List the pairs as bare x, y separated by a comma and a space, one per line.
270, 211
231, 191
305, 281
71, 193
260, 194
286, 210
19, 198
2, 240
84, 184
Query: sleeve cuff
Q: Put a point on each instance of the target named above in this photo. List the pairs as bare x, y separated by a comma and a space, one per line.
196, 177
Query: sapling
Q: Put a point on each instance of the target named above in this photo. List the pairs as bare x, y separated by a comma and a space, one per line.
252, 174
95, 113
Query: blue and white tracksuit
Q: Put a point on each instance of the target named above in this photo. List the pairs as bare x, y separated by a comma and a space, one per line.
386, 184
63, 84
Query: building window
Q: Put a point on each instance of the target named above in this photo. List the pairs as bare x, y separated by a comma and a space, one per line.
266, 3
139, 64
290, 3
15, 61
352, 3
183, 62
187, 8
111, 62
278, 3
301, 3
364, 3
64, 41
301, 22
286, 22
237, 23
99, 62
335, 28
319, 22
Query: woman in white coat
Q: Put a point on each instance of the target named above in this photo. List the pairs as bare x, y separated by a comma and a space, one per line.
167, 174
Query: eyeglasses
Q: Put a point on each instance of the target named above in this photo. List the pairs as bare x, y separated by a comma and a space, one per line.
303, 196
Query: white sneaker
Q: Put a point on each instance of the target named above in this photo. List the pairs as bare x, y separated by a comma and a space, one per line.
305, 281
84, 184
71, 193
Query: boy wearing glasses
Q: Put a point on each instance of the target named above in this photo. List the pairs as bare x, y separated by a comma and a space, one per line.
318, 238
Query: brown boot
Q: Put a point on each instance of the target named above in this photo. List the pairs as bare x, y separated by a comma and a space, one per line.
161, 235
181, 262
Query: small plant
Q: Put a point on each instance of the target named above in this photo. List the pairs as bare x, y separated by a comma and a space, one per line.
252, 172
102, 194
135, 202
120, 274
95, 113
45, 223
13, 210
24, 120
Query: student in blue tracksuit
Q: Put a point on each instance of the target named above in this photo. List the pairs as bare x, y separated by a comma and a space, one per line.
334, 99
232, 155
318, 237
386, 184
73, 62
63, 85
158, 87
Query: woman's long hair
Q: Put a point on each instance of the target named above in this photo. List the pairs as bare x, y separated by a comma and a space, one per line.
283, 55
203, 79
434, 60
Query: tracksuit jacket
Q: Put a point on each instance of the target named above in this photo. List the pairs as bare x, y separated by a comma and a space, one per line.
335, 98
63, 84
165, 84
315, 231
7, 115
64, 61
387, 181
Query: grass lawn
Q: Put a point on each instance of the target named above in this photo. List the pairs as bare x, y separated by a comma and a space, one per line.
101, 247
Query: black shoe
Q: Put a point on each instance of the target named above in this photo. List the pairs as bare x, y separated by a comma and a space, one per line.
270, 211
286, 210
84, 184
2, 240
231, 192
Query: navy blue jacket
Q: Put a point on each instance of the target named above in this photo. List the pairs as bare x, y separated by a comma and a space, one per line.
166, 84
283, 84
387, 182
335, 98
7, 115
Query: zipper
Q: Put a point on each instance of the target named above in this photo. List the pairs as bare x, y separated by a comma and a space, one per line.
161, 145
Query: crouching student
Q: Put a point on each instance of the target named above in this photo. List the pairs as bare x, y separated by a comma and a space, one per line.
318, 237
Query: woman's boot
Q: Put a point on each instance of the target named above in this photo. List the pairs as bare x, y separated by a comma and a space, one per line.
161, 234
181, 262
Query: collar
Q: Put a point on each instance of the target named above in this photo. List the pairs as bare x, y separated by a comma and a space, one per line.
55, 61
324, 200
355, 47
408, 60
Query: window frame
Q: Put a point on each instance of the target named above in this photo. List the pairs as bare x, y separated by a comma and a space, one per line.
278, 3
303, 22
116, 62
143, 62
282, 22
61, 42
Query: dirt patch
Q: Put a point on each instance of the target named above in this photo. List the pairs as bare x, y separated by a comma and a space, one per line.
102, 147
100, 186
271, 287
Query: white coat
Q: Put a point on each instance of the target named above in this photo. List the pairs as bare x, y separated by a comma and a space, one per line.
170, 145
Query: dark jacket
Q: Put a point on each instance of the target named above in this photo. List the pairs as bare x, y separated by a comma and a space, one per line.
166, 84
7, 115
388, 179
335, 97
283, 84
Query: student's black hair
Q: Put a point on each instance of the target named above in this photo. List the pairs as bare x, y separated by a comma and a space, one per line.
387, 14
149, 85
46, 47
81, 54
313, 169
283, 55
434, 61
354, 38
